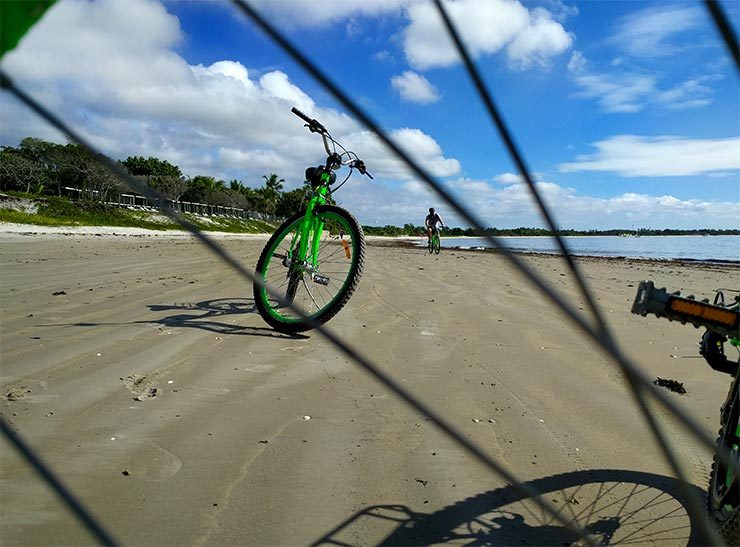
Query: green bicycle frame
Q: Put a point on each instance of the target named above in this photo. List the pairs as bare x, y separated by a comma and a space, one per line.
310, 228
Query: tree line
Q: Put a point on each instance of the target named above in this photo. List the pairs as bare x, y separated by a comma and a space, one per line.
41, 168
412, 230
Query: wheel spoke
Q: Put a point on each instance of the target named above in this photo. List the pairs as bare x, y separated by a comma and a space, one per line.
326, 275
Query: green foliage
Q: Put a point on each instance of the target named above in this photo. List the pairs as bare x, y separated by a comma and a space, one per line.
17, 172
89, 213
151, 167
45, 169
231, 225
56, 211
291, 202
62, 208
48, 168
16, 17
270, 193
394, 231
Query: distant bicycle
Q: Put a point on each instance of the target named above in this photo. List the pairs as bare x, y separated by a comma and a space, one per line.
314, 259
722, 323
434, 244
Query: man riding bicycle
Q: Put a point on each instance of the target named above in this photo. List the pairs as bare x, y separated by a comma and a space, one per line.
431, 222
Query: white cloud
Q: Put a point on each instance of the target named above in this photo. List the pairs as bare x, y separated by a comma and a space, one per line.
384, 56
664, 156
508, 178
689, 94
228, 69
541, 39
150, 33
254, 159
646, 37
123, 85
624, 92
512, 206
650, 32
276, 83
415, 88
422, 148
560, 10
139, 97
302, 13
530, 37
577, 62
426, 151
509, 206
616, 93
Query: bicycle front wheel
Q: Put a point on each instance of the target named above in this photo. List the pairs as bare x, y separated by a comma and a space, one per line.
437, 245
319, 284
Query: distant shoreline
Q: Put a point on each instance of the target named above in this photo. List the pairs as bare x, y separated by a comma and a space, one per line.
12, 230
17, 228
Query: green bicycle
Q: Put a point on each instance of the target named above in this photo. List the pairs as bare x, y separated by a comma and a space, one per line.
434, 243
722, 323
314, 259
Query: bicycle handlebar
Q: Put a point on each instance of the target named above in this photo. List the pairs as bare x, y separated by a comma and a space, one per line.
314, 126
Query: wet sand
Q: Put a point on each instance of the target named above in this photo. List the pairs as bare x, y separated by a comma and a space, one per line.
139, 370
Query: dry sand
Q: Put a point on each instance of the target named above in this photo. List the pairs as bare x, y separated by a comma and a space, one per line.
140, 372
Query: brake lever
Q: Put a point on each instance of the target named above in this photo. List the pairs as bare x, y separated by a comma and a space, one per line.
315, 127
360, 166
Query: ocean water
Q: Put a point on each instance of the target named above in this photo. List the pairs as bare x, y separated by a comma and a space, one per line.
700, 248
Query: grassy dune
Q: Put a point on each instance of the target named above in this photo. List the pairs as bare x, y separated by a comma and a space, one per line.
58, 211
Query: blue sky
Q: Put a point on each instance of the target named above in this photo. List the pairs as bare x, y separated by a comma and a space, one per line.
628, 112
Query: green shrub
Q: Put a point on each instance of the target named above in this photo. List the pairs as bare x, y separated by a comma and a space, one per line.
61, 211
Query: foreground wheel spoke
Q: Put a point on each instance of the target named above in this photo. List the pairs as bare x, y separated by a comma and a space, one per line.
329, 274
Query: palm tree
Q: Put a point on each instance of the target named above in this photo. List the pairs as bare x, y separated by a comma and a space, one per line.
273, 182
236, 186
271, 192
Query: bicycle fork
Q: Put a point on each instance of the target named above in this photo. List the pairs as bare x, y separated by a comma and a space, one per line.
309, 235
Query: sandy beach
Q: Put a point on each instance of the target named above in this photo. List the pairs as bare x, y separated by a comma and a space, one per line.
138, 369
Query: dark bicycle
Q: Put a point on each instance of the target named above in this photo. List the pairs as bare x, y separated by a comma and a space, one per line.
722, 323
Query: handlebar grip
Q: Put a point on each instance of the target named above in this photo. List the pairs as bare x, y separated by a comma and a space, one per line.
300, 114
314, 126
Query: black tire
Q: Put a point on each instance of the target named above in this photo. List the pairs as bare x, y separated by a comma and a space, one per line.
430, 245
723, 500
436, 244
320, 293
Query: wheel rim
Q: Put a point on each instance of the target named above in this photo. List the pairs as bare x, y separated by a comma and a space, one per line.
311, 287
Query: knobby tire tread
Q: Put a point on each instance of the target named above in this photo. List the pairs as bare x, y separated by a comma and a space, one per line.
728, 528
344, 294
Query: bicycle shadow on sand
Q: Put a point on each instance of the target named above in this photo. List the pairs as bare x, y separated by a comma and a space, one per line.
209, 315
615, 507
